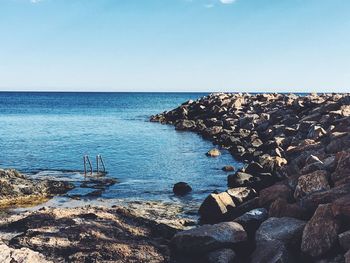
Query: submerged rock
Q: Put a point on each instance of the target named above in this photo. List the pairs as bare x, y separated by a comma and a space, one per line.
214, 153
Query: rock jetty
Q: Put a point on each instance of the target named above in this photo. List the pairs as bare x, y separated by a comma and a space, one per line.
18, 190
292, 197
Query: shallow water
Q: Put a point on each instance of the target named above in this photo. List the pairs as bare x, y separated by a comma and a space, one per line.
50, 132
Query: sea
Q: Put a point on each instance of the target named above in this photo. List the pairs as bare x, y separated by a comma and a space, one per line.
46, 135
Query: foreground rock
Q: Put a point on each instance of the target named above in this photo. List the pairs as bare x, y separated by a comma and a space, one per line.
208, 238
18, 190
87, 235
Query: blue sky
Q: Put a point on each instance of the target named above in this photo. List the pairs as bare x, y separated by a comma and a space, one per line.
175, 45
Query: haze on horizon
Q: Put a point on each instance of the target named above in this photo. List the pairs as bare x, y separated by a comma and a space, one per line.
175, 45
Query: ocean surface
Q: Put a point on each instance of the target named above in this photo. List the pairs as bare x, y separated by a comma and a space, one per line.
47, 134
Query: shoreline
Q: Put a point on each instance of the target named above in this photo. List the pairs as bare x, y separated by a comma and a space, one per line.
291, 195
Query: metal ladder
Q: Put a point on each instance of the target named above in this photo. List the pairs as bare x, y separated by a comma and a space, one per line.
99, 160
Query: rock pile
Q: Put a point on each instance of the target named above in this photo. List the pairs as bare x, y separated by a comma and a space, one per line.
17, 190
296, 151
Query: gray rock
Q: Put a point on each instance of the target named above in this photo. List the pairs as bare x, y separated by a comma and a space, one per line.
208, 238
344, 240
224, 255
252, 219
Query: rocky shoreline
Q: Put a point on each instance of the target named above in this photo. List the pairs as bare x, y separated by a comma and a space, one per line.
291, 201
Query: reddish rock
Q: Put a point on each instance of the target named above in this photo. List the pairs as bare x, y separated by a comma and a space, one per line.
215, 207
347, 257
312, 201
343, 166
341, 206
281, 208
321, 232
309, 183
270, 194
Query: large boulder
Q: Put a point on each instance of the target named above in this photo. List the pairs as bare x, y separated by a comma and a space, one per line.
12, 255
313, 182
321, 232
215, 207
287, 230
241, 194
208, 238
281, 208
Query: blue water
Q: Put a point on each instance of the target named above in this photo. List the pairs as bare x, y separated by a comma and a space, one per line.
50, 132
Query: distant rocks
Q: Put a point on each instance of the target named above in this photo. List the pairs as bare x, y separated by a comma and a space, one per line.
182, 188
296, 173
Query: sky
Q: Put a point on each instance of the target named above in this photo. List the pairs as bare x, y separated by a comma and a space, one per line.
175, 45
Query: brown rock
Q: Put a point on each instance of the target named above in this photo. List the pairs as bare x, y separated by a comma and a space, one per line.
321, 232
281, 208
270, 194
215, 207
214, 153
313, 182
341, 206
228, 168
343, 166
241, 194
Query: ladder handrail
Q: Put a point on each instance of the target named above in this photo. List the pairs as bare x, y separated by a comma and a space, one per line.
88, 159
102, 162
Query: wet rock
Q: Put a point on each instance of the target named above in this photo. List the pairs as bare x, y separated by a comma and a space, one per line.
270, 194
214, 153
208, 238
181, 188
17, 190
185, 125
215, 207
228, 168
313, 182
321, 232
224, 255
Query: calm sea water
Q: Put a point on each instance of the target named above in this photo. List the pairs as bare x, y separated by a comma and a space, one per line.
50, 133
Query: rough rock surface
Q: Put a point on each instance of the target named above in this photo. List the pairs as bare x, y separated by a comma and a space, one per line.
321, 232
18, 190
87, 234
208, 238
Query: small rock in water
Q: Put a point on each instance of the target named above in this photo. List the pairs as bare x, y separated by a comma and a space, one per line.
214, 153
228, 168
182, 188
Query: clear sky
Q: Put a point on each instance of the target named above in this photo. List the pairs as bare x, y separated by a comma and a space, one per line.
175, 45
